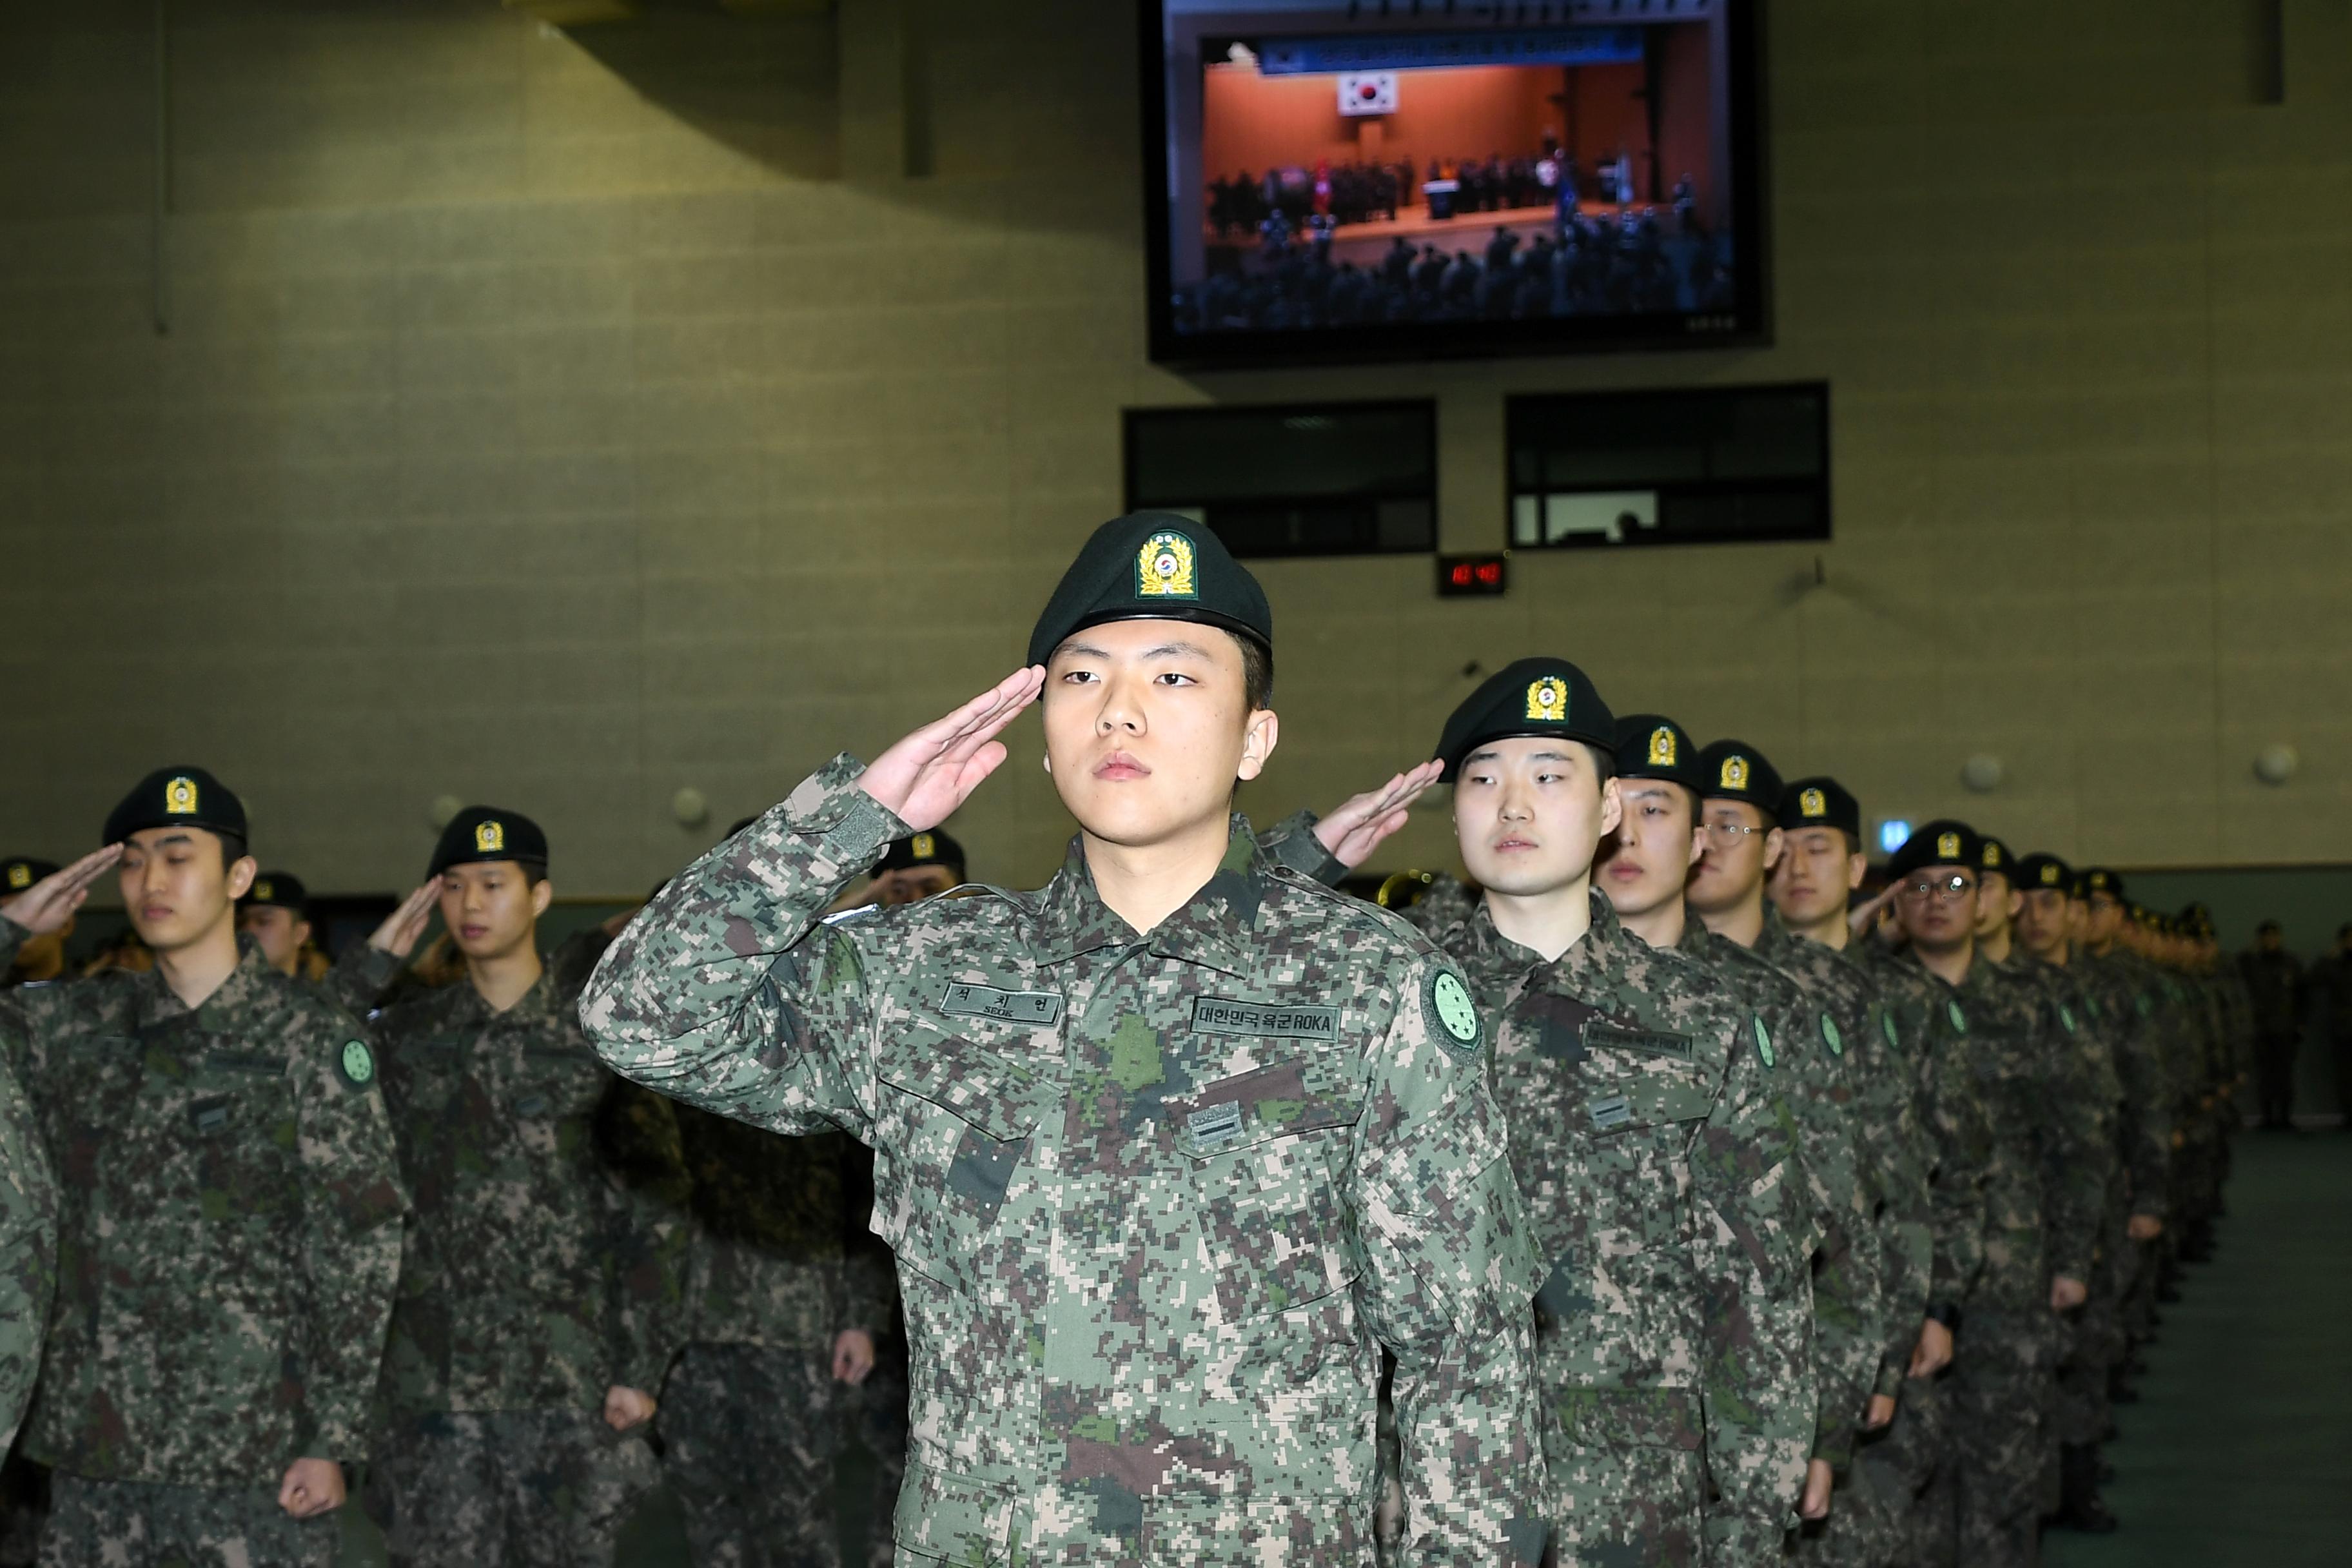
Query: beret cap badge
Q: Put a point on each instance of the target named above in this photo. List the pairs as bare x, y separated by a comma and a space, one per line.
1734, 772
179, 797
1547, 699
1947, 845
20, 876
489, 838
1812, 803
1662, 747
1164, 568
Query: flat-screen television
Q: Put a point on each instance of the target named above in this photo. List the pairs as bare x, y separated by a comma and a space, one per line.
1393, 179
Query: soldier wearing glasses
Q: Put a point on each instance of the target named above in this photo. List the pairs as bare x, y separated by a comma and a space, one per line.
2031, 1150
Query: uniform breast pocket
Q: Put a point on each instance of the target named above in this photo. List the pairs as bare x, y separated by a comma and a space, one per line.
1645, 1108
958, 1126
238, 1122
1265, 1148
554, 1102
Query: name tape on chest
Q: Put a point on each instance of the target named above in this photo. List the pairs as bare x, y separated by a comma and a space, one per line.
1599, 1035
1215, 1016
1032, 1007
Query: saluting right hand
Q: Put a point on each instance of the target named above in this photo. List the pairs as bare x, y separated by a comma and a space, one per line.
398, 934
1357, 827
48, 904
923, 778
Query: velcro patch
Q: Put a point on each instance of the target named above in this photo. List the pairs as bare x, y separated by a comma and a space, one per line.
1216, 1016
1598, 1033
1215, 1126
1611, 1112
1034, 1008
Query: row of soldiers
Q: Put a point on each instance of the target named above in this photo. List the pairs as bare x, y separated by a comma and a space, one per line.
266, 1223
1696, 1217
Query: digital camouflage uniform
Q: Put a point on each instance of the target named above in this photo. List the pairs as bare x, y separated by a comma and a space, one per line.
28, 1248
228, 1244
1917, 1456
751, 1419
1849, 1266
1868, 1525
546, 1263
2090, 1338
1157, 1202
2044, 1188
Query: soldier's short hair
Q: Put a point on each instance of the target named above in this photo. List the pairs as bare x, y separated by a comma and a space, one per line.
1257, 671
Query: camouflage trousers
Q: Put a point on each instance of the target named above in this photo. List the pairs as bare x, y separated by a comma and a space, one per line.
749, 1436
1628, 1481
522, 1488
1999, 1396
1876, 1516
148, 1524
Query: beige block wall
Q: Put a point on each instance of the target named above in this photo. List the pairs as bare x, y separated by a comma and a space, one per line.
560, 420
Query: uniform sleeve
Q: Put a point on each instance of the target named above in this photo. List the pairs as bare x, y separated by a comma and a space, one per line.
360, 976
1445, 1277
1759, 1385
28, 1250
1906, 1219
651, 1253
869, 1272
16, 1037
728, 992
1292, 842
2074, 1145
2146, 1110
353, 1204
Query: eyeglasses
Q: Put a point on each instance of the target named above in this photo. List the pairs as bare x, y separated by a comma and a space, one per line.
1729, 833
1950, 889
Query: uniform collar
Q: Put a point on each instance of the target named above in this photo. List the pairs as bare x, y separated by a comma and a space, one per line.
159, 1003
1589, 956
1212, 928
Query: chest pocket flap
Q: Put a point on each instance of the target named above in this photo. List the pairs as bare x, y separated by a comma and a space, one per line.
1653, 1078
1301, 1095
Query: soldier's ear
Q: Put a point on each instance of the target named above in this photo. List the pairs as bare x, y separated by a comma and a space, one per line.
542, 893
1257, 743
240, 877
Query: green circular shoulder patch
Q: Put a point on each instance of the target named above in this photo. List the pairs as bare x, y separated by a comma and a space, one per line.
357, 1064
1959, 1019
1831, 1038
2066, 1016
1456, 1013
1764, 1043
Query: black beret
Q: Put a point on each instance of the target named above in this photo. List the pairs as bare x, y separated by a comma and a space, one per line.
1153, 565
1526, 697
1822, 802
1734, 770
485, 833
2099, 879
279, 891
932, 848
2199, 920
1652, 746
177, 797
19, 872
1938, 843
1994, 859
2044, 873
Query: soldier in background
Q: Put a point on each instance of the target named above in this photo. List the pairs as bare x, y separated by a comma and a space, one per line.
2275, 981
230, 1233
542, 1285
42, 958
276, 913
2334, 975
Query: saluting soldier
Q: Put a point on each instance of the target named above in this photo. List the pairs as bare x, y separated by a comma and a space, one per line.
41, 957
1647, 1124
543, 1287
229, 1233
1167, 1150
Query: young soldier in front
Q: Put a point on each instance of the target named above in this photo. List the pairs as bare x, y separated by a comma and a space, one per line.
1167, 1150
230, 1230
541, 1292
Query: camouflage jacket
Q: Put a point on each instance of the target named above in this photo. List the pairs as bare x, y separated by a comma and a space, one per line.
1928, 1021
1647, 1127
2116, 991
547, 1259
1889, 1118
1849, 1266
229, 1232
779, 1257
28, 1248
1156, 1201
2083, 1079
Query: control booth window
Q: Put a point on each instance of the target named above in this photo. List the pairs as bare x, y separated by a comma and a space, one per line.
1723, 465
1337, 478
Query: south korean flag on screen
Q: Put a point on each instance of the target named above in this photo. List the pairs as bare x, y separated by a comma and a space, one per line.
1368, 92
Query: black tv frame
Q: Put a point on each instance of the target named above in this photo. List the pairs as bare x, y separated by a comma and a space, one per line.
1747, 325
